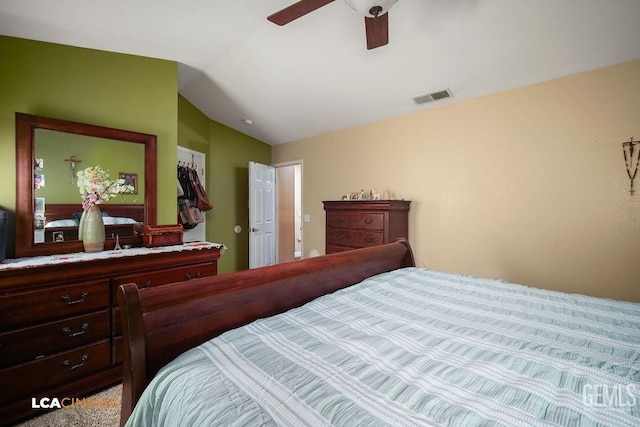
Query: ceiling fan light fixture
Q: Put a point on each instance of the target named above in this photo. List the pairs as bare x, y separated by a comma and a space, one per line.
371, 8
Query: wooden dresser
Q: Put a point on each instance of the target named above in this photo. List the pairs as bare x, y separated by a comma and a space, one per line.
359, 223
60, 327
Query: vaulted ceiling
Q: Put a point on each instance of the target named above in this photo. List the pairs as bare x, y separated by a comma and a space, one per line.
315, 74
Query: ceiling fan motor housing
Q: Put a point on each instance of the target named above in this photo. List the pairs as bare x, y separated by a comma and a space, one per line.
375, 11
371, 8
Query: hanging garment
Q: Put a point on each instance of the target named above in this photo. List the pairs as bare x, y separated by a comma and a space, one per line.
185, 182
201, 200
192, 198
180, 190
184, 218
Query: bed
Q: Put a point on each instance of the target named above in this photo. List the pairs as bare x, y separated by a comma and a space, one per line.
364, 337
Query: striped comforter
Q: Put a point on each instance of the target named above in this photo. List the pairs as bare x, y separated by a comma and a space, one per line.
414, 347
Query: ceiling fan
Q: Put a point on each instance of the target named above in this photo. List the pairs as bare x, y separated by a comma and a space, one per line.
376, 18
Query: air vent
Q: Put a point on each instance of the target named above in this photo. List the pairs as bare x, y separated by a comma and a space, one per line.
433, 96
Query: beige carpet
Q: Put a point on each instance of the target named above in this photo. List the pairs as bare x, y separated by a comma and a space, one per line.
84, 417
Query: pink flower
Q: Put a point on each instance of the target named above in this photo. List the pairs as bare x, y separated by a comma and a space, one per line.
96, 187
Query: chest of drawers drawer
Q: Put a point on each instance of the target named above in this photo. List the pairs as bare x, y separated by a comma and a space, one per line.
27, 378
36, 305
354, 238
23, 345
365, 221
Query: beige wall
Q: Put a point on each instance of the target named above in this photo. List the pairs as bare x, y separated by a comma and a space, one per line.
527, 185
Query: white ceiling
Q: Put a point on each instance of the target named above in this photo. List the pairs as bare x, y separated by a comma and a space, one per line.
315, 74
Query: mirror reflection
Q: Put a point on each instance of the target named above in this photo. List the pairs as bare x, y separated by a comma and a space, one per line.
49, 154
58, 157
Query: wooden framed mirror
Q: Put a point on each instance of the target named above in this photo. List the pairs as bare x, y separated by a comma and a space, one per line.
33, 134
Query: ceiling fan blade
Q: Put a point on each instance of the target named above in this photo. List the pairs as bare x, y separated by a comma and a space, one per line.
377, 30
297, 10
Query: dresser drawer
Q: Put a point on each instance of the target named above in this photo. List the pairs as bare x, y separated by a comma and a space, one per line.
354, 238
359, 220
49, 303
23, 345
163, 277
30, 378
156, 278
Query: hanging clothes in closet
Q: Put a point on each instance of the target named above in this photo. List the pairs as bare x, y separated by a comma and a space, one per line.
192, 198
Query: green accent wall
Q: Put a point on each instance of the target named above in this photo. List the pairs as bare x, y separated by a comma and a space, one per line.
134, 93
228, 154
89, 86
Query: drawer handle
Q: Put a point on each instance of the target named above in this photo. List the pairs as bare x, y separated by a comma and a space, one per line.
67, 330
71, 368
368, 221
67, 298
148, 283
187, 276
339, 220
369, 239
339, 236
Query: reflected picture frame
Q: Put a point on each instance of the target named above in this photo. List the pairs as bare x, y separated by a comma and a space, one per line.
130, 179
38, 206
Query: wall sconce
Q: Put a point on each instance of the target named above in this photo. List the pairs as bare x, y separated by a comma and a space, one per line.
631, 159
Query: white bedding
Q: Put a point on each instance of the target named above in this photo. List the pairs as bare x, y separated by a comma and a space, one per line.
414, 347
107, 220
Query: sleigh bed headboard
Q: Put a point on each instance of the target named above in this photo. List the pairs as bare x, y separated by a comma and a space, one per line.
163, 322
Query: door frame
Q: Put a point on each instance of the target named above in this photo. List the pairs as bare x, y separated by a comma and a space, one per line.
301, 195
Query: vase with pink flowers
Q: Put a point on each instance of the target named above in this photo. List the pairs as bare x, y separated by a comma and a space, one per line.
95, 188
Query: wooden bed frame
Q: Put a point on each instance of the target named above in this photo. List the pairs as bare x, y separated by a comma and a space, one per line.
161, 323
56, 212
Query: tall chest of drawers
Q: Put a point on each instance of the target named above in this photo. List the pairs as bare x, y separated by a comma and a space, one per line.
60, 327
352, 224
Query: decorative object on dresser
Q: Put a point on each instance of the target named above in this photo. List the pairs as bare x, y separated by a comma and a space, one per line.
352, 224
96, 187
160, 235
60, 328
362, 195
91, 229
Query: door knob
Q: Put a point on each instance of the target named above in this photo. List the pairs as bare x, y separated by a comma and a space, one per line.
254, 229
